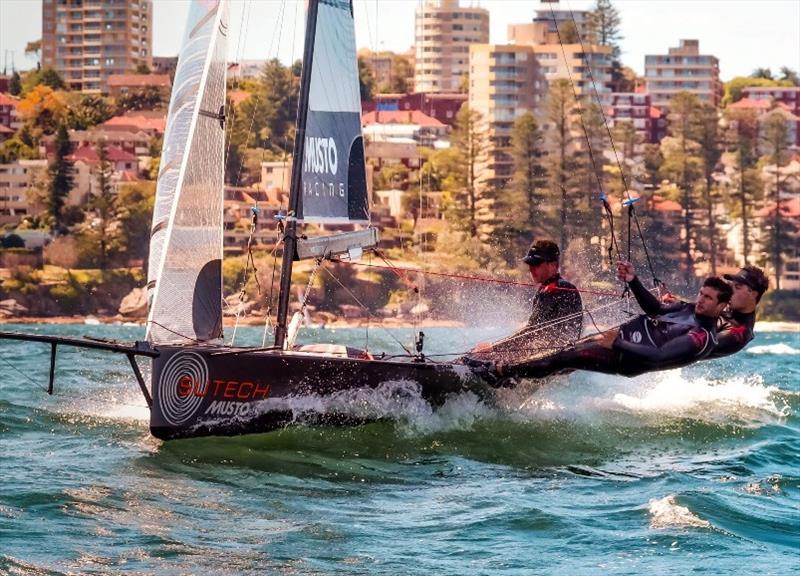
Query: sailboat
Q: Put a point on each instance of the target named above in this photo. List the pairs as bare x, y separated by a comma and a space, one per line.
200, 386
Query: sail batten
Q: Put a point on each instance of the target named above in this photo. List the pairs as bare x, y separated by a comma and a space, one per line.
185, 271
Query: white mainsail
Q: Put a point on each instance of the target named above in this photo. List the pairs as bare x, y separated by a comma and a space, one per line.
185, 271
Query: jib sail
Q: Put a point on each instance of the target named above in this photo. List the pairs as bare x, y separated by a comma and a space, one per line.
185, 270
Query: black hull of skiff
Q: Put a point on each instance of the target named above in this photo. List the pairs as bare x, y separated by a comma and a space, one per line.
205, 391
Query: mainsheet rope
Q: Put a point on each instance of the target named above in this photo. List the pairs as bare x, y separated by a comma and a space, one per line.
401, 273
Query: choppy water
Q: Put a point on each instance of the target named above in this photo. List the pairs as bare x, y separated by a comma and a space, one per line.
692, 471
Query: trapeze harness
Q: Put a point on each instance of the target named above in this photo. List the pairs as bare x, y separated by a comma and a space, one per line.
734, 331
669, 337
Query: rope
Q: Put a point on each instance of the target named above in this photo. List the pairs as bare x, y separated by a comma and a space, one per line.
363, 307
245, 278
631, 209
400, 270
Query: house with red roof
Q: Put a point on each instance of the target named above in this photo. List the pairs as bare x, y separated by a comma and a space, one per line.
153, 123
786, 95
764, 107
404, 125
121, 84
85, 160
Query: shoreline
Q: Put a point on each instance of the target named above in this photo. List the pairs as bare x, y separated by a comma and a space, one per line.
229, 322
765, 326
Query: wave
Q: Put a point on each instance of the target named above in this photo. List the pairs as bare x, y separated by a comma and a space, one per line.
776, 349
667, 513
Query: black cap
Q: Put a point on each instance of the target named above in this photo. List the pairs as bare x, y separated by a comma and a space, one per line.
751, 276
542, 251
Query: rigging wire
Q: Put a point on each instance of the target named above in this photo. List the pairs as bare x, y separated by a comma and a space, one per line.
364, 307
630, 201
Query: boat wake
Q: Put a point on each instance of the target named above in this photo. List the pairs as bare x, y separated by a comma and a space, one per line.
775, 349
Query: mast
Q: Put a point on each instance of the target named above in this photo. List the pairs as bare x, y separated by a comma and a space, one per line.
290, 232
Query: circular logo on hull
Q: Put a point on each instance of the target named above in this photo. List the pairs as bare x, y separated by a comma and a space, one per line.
183, 375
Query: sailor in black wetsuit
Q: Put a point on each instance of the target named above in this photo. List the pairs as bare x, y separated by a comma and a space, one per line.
666, 336
556, 318
735, 329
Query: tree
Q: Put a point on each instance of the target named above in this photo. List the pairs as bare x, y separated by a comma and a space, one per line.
103, 203
683, 165
775, 140
391, 177
568, 32
44, 110
15, 84
15, 149
142, 68
469, 141
61, 171
401, 72
604, 26
653, 160
789, 75
743, 135
734, 88
762, 73
87, 110
710, 141
519, 207
46, 76
144, 98
560, 163
135, 213
366, 81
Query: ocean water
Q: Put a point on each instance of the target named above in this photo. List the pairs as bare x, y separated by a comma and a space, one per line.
692, 471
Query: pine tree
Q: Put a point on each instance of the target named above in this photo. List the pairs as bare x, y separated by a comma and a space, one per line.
710, 141
519, 208
683, 165
604, 29
560, 140
604, 25
15, 84
61, 177
775, 140
103, 203
469, 140
743, 135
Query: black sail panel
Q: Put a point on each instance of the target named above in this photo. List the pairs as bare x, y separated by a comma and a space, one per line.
334, 186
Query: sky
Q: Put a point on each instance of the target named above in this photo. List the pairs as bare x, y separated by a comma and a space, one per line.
743, 34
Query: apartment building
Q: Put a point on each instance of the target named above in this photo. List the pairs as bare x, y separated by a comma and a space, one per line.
89, 40
587, 65
649, 122
444, 31
9, 119
787, 95
547, 25
16, 180
683, 69
506, 81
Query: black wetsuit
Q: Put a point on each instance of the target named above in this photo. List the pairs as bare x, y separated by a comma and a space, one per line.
734, 331
666, 336
556, 321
